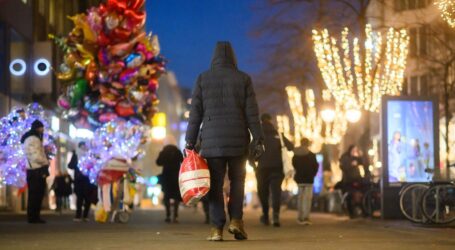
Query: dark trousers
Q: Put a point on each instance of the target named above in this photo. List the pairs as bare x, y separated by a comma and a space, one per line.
236, 173
269, 181
167, 204
82, 201
206, 207
36, 187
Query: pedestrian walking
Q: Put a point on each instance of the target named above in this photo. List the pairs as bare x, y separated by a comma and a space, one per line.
170, 158
306, 168
224, 103
82, 186
37, 170
270, 173
62, 189
352, 180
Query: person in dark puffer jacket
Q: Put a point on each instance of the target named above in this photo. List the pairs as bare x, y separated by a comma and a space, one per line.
269, 173
306, 168
224, 103
82, 185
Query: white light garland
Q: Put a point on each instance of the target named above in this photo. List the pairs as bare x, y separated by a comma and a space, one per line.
358, 76
310, 124
447, 8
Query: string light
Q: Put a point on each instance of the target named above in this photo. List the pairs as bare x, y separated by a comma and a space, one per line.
310, 124
447, 8
358, 76
284, 126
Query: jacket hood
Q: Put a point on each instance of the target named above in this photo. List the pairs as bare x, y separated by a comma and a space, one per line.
224, 55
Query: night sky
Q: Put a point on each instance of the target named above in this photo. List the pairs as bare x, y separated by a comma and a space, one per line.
188, 31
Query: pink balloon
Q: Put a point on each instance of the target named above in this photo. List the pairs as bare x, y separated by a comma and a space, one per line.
107, 117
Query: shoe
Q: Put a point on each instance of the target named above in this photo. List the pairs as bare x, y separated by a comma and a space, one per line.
305, 222
77, 220
237, 229
264, 220
167, 220
216, 234
175, 220
86, 219
276, 224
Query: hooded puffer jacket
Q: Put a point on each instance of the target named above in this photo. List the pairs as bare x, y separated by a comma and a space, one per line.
225, 104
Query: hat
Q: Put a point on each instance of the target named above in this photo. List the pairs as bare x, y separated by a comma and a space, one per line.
37, 124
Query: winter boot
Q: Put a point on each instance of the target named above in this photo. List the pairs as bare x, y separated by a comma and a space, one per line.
237, 229
216, 234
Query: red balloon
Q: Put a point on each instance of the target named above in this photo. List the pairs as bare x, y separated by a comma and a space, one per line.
121, 34
118, 5
135, 17
136, 4
153, 85
124, 109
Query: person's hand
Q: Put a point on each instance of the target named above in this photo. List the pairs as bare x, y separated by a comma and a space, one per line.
258, 150
188, 146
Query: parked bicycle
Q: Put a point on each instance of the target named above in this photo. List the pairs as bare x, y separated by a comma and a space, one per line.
432, 202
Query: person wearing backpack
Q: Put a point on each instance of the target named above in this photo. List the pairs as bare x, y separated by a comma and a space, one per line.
306, 168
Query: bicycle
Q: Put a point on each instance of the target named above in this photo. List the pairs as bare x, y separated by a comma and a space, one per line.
425, 203
438, 202
411, 199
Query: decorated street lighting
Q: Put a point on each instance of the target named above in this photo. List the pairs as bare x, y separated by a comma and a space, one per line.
447, 8
357, 74
327, 126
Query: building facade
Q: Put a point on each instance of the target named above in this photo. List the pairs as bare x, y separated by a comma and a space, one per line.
431, 61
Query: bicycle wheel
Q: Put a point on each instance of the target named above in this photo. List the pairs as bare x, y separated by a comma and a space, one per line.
411, 200
438, 204
371, 202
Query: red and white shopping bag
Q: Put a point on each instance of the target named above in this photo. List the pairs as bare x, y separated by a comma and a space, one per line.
194, 178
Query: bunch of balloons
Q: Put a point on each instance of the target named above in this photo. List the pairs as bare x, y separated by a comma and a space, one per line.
118, 139
111, 67
13, 163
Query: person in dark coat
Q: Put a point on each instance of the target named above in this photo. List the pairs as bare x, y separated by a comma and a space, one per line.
62, 189
270, 173
82, 186
170, 158
306, 167
37, 170
350, 164
224, 103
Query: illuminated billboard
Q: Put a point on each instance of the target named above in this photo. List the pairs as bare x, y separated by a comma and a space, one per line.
409, 139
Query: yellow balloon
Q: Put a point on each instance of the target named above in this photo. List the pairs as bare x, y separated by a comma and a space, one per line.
80, 21
65, 76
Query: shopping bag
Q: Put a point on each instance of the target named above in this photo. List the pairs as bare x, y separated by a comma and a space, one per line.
194, 178
100, 214
286, 156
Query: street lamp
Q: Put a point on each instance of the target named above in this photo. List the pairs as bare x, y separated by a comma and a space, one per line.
353, 115
328, 115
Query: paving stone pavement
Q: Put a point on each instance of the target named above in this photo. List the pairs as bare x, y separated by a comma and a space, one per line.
147, 230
